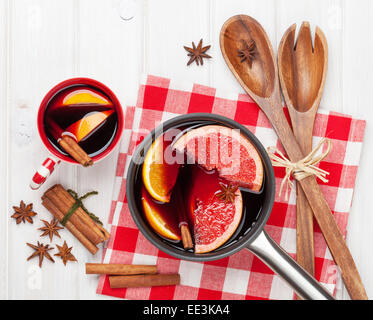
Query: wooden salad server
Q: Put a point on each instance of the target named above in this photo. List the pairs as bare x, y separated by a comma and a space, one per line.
302, 70
249, 55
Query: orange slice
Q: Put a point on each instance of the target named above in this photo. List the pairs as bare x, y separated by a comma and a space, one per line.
158, 176
84, 96
73, 99
83, 127
161, 217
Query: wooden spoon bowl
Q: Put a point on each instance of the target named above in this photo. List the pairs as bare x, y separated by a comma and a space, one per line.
302, 67
258, 73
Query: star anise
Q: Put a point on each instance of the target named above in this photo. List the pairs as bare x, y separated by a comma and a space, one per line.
65, 253
227, 193
41, 250
51, 229
23, 213
248, 52
197, 53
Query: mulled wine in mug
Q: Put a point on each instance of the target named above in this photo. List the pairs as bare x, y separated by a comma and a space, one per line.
80, 121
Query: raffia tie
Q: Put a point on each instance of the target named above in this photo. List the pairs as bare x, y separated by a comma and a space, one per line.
79, 204
301, 169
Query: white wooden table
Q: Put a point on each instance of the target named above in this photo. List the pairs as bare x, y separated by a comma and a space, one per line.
43, 42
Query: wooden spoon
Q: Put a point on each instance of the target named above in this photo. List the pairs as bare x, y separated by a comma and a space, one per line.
258, 75
302, 71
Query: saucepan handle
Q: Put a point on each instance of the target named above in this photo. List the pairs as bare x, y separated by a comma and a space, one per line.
306, 286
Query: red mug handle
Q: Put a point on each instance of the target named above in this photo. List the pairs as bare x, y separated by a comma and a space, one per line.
44, 171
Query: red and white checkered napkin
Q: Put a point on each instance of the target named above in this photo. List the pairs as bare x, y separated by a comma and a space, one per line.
241, 276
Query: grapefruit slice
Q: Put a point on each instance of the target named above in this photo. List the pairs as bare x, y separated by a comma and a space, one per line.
158, 176
161, 217
223, 149
83, 127
215, 208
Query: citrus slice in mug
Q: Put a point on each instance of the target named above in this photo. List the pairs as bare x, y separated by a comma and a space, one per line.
85, 126
223, 149
80, 96
83, 96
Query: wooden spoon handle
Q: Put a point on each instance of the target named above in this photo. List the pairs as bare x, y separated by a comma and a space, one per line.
303, 130
320, 208
334, 239
305, 247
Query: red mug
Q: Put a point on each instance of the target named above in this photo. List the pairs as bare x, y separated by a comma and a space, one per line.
56, 157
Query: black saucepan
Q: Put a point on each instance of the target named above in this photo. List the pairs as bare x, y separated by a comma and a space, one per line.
255, 239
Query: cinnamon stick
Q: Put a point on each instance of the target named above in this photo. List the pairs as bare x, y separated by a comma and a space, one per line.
186, 237
102, 234
104, 231
74, 219
59, 202
74, 150
83, 216
48, 204
119, 269
148, 280
68, 143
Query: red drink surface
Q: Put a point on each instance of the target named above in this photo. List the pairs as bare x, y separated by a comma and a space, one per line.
88, 102
211, 216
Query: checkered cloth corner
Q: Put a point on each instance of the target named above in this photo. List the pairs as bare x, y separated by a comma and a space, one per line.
242, 275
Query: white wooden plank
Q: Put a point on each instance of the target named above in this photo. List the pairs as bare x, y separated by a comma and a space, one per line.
357, 82
262, 11
109, 50
3, 148
169, 26
40, 55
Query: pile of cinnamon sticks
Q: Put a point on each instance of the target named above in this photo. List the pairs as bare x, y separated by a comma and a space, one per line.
59, 202
132, 276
